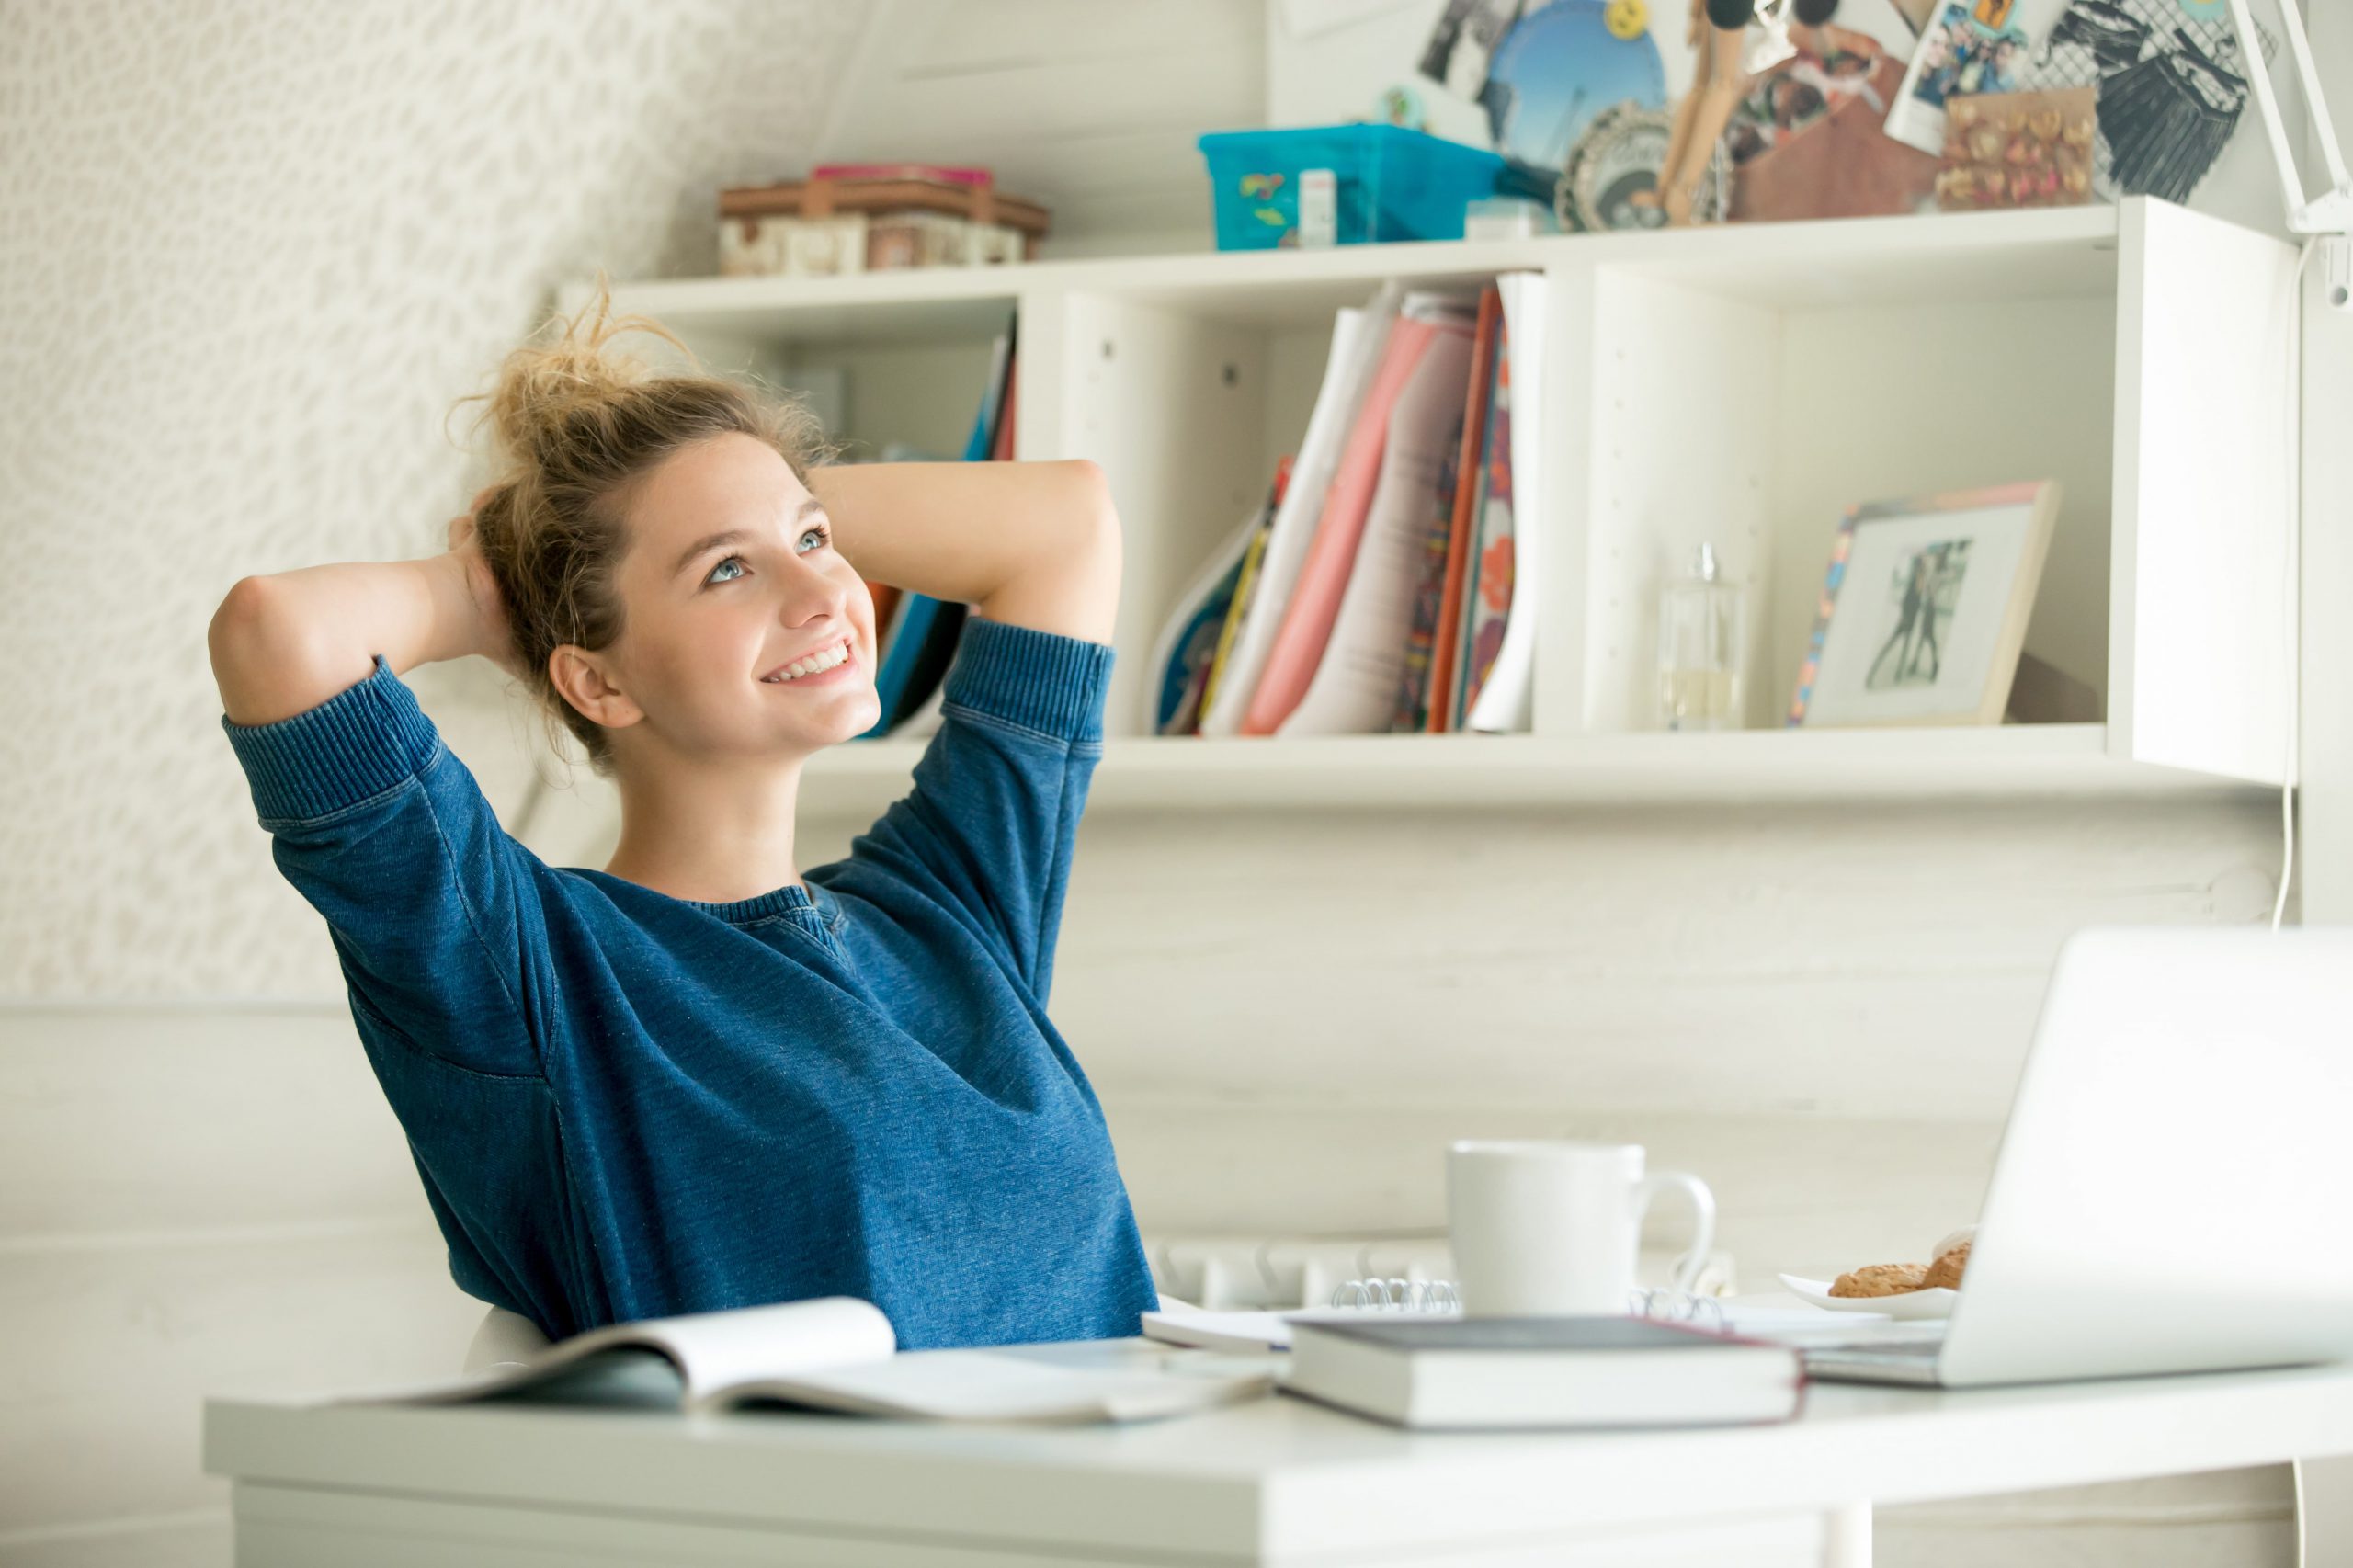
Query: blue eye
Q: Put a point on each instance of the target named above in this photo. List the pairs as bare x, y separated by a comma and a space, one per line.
820, 535
736, 560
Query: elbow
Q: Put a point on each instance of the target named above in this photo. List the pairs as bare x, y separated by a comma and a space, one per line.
1092, 512
250, 614
1068, 579
257, 639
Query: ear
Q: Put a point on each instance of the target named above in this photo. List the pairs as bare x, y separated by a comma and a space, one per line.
586, 681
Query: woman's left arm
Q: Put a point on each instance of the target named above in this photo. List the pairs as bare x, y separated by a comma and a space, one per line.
1033, 544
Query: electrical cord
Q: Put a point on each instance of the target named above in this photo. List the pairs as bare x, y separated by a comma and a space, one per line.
2289, 616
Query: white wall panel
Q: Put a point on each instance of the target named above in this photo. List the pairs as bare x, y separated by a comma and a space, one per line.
1869, 961
1091, 109
101, 1421
147, 1121
2206, 369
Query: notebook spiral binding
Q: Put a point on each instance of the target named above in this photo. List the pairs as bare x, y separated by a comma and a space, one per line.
1661, 1302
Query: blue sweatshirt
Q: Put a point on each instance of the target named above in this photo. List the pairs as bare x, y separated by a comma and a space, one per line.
626, 1105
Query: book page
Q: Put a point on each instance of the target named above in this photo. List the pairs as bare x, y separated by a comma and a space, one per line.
1354, 689
717, 1349
711, 1350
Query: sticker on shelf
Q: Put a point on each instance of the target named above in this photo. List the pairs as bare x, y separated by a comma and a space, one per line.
1319, 208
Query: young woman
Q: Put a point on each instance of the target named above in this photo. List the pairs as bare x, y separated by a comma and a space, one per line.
698, 1079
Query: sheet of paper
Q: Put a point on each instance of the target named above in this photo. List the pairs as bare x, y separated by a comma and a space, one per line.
1178, 1323
1357, 340
1114, 1380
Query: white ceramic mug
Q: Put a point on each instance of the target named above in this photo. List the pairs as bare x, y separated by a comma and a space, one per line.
1545, 1228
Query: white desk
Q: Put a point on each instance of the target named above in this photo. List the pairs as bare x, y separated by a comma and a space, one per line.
1276, 1481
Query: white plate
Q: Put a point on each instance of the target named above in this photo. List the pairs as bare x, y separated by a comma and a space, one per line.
1910, 1305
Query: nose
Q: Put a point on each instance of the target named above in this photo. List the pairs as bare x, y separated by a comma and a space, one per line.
811, 594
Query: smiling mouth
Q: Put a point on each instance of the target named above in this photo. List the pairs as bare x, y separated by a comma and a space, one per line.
815, 665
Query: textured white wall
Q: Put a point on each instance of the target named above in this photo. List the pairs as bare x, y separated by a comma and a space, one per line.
249, 253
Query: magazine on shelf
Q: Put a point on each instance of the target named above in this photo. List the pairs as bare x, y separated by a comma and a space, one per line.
1186, 650
838, 1352
1487, 560
1358, 339
1425, 694
1354, 687
1408, 703
1314, 600
1245, 588
1500, 698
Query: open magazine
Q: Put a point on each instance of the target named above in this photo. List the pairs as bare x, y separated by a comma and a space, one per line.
838, 1352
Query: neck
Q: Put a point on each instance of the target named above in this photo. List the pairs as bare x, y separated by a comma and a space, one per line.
713, 834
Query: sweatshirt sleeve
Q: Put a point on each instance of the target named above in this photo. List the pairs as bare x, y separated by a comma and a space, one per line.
993, 812
434, 909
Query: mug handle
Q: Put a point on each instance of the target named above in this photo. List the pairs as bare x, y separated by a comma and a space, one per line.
1703, 1221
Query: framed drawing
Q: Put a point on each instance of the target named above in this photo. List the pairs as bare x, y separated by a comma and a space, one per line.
1924, 608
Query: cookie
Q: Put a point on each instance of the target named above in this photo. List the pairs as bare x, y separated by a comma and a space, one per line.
1946, 1271
1881, 1280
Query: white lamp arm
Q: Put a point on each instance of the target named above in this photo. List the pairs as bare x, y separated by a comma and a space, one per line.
2329, 214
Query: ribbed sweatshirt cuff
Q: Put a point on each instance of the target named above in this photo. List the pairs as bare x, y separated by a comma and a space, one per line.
1038, 680
357, 743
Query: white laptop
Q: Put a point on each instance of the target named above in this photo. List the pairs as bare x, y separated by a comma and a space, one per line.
2175, 1187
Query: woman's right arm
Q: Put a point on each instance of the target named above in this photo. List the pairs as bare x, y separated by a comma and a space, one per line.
284, 643
435, 910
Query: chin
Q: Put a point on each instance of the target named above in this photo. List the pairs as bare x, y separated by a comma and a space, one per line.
855, 719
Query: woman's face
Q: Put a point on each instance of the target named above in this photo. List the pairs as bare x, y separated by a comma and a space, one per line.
730, 580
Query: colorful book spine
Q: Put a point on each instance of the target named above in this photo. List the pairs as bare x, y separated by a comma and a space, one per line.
886, 605
1409, 710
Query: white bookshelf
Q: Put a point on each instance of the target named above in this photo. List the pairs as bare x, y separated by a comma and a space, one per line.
1742, 384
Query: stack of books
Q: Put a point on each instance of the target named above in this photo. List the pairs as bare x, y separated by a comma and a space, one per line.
1583, 1372
1386, 583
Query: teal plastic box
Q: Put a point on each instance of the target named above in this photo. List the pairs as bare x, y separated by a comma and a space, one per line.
1389, 183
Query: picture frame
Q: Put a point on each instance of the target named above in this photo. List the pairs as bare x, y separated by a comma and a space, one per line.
1923, 608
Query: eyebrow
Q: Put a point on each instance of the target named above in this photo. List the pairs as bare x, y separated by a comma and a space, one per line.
733, 536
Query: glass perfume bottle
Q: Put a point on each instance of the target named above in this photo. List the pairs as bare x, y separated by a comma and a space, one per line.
1700, 638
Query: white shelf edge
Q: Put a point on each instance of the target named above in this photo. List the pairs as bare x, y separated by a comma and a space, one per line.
1729, 246
1786, 765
